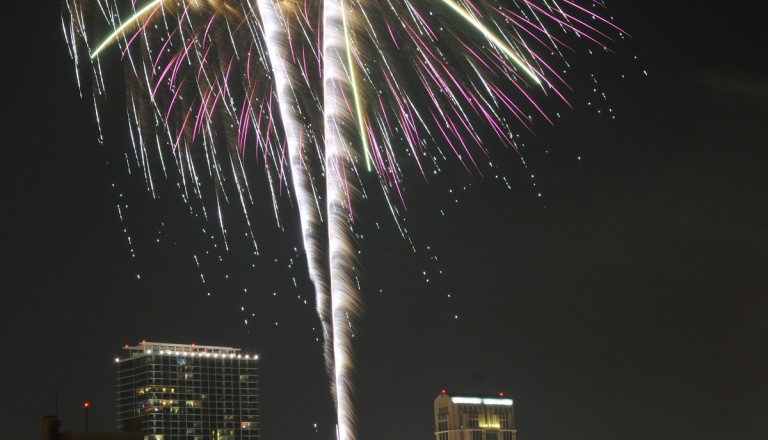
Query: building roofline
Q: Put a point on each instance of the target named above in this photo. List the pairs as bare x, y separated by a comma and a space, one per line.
143, 345
477, 399
174, 349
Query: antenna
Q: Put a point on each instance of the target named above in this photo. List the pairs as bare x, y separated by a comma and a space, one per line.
85, 406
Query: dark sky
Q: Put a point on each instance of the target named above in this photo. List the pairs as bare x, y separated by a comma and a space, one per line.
630, 301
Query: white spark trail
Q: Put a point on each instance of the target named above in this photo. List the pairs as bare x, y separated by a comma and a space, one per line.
285, 74
339, 124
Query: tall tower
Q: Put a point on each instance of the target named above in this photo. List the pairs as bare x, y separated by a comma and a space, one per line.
462, 417
189, 392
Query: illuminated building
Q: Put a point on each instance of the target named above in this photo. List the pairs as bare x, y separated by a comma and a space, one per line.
189, 392
462, 417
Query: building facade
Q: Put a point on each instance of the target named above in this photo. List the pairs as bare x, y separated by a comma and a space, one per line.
461, 417
187, 392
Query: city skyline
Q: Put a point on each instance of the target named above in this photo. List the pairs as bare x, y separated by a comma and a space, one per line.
626, 301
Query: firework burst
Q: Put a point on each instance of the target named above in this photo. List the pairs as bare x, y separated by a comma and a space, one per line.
318, 93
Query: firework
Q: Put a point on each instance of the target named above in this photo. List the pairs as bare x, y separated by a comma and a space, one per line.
317, 93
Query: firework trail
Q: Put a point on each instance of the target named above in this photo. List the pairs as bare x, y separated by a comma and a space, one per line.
318, 93
339, 162
276, 36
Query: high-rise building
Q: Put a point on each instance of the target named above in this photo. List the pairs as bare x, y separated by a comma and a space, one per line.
187, 392
463, 417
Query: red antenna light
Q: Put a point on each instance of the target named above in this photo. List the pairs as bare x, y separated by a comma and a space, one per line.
501, 394
442, 392
86, 404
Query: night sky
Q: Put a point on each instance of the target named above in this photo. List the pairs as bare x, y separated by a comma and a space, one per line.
629, 301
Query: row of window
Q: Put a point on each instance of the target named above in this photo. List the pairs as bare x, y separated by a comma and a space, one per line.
480, 435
